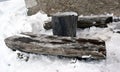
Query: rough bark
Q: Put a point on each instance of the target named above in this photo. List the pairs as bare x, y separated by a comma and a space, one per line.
88, 21
58, 46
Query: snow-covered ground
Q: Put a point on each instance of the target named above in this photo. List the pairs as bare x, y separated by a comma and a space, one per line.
13, 20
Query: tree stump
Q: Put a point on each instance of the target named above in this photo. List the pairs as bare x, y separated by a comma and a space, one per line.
64, 24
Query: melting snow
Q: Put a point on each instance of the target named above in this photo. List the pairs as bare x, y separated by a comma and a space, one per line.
65, 13
13, 20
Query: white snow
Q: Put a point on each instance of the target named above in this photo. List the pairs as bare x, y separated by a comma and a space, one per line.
13, 20
65, 14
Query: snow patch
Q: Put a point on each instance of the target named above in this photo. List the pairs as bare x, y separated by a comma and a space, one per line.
14, 21
65, 14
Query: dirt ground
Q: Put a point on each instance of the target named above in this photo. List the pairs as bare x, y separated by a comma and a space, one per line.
82, 7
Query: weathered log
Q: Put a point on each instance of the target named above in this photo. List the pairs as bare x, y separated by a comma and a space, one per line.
88, 21
97, 21
65, 24
58, 46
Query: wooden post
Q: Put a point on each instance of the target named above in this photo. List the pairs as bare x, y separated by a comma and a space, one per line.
64, 24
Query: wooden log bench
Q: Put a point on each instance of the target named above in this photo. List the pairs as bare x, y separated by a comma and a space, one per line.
58, 46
